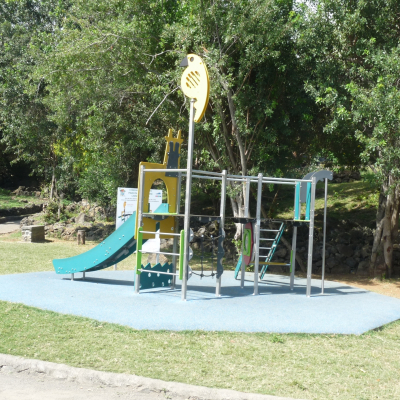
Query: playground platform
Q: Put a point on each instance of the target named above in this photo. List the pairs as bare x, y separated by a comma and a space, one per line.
109, 296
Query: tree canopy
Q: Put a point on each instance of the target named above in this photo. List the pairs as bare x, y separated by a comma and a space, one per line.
90, 88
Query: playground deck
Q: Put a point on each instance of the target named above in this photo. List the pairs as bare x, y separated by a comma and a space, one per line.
109, 296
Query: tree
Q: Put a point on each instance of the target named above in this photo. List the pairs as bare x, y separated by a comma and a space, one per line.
27, 132
352, 50
259, 113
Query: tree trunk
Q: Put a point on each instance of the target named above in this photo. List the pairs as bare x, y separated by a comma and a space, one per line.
53, 190
387, 221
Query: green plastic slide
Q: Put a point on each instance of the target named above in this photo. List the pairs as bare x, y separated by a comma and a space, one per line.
115, 248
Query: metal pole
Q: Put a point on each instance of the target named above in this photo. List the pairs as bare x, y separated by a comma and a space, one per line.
176, 228
115, 266
293, 258
311, 237
258, 226
83, 276
222, 223
188, 198
72, 277
246, 215
140, 222
294, 239
324, 240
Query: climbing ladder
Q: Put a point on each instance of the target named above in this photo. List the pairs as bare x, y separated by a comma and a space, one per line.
271, 244
271, 248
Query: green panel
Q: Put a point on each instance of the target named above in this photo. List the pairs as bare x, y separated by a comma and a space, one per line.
139, 248
151, 280
181, 254
247, 242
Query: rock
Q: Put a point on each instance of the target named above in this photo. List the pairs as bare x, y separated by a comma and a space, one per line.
19, 191
363, 266
166, 244
366, 251
38, 194
280, 252
152, 259
347, 251
355, 235
82, 218
351, 262
331, 262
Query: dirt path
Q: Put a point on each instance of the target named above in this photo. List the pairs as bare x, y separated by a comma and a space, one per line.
10, 226
386, 287
23, 386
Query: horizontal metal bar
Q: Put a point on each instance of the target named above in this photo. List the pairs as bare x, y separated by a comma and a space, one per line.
269, 230
157, 272
267, 239
213, 178
161, 233
265, 248
164, 170
159, 252
270, 263
207, 172
270, 178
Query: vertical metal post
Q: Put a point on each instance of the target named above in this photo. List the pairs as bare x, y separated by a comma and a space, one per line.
188, 198
258, 227
140, 224
72, 277
324, 239
293, 258
311, 237
83, 276
176, 228
115, 266
294, 239
246, 215
222, 223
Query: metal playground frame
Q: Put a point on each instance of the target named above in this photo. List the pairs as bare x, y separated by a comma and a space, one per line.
195, 84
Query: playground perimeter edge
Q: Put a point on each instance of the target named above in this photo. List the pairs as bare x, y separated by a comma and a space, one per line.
82, 375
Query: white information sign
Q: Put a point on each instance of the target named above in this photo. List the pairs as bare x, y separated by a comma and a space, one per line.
126, 206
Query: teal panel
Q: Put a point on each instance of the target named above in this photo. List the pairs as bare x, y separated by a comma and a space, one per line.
115, 248
150, 280
162, 209
238, 267
308, 201
297, 202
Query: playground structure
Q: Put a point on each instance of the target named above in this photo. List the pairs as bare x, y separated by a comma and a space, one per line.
164, 221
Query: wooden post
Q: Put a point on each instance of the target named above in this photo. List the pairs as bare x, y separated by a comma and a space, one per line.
81, 237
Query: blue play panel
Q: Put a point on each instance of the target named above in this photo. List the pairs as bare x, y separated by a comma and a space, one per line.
109, 296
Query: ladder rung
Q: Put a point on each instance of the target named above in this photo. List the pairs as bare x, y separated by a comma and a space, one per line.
157, 272
161, 233
269, 263
159, 252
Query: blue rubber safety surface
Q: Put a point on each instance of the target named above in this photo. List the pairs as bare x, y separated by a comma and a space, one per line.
109, 296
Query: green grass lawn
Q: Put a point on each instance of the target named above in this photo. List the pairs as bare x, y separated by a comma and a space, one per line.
20, 257
300, 366
7, 200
